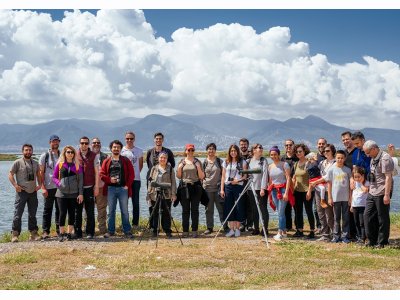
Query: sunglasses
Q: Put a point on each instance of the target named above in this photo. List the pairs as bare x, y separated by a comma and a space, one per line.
259, 147
96, 143
84, 143
288, 145
69, 152
299, 151
327, 150
190, 150
129, 139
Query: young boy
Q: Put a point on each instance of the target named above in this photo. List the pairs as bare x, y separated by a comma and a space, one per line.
339, 196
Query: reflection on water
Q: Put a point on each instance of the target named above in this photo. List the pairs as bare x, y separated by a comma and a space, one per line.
7, 197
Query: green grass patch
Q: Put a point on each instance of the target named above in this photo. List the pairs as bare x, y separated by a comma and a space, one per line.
19, 258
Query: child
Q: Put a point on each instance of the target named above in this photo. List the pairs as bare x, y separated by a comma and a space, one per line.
314, 174
339, 196
358, 202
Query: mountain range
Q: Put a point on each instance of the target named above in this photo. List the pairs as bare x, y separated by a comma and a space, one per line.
223, 129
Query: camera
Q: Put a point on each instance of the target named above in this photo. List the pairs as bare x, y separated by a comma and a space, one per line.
371, 177
230, 179
30, 176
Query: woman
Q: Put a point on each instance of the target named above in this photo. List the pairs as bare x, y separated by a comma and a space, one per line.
68, 177
231, 187
325, 211
301, 183
162, 173
212, 167
190, 172
279, 188
257, 161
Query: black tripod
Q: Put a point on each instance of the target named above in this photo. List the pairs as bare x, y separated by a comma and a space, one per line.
246, 188
160, 201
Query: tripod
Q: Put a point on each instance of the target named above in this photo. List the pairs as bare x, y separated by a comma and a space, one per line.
160, 201
249, 185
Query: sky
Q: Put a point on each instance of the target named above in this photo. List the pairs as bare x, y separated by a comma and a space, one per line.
341, 65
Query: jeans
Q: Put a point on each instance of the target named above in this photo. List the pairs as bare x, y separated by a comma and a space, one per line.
118, 194
280, 207
377, 220
232, 193
88, 203
49, 202
135, 202
341, 209
214, 199
22, 198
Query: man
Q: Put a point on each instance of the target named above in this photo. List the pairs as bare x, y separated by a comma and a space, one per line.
47, 163
152, 159
349, 148
118, 174
376, 215
90, 162
245, 154
135, 155
26, 183
359, 158
290, 158
101, 200
321, 143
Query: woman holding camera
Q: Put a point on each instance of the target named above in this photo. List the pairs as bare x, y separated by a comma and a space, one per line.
162, 173
191, 173
231, 187
68, 177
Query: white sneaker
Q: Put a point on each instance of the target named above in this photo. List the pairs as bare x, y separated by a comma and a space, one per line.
278, 237
231, 233
237, 232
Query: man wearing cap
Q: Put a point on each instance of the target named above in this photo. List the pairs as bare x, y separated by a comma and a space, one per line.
47, 162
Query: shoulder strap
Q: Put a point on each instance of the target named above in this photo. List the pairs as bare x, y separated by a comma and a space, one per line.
46, 159
205, 164
59, 170
261, 163
239, 165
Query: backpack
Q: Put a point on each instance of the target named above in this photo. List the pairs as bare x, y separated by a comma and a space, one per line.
46, 159
218, 162
260, 163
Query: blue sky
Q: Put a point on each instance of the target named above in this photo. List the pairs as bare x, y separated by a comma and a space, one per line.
344, 35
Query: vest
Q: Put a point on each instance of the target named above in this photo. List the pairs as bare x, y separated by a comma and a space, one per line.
88, 167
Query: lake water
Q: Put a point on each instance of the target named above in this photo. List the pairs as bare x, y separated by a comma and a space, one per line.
7, 198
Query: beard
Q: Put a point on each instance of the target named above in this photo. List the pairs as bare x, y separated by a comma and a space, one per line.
28, 156
115, 152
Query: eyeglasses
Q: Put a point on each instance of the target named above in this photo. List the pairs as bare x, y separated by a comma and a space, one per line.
84, 143
96, 143
259, 147
327, 151
288, 145
190, 150
129, 139
69, 152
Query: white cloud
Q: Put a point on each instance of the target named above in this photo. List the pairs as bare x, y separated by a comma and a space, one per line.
111, 65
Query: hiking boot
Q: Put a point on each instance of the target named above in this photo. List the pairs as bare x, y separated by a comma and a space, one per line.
208, 231
194, 234
311, 235
129, 235
185, 234
298, 233
15, 236
34, 236
345, 240
89, 237
45, 235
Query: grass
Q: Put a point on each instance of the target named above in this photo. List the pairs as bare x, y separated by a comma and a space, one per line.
7, 157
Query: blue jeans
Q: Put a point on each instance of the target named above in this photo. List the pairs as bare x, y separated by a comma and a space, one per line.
280, 208
118, 193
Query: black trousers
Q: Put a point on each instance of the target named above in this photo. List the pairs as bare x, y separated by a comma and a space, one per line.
248, 203
377, 220
190, 208
358, 213
263, 202
88, 203
300, 200
165, 214
49, 202
67, 205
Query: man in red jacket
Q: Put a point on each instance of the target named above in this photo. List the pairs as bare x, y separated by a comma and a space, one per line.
118, 174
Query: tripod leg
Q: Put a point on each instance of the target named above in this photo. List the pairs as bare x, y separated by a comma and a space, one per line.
173, 222
259, 212
148, 222
236, 202
159, 216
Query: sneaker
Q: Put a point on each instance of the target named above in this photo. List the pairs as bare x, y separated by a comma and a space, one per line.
369, 244
278, 237
298, 233
15, 236
45, 235
345, 240
34, 236
242, 228
323, 203
284, 235
169, 235
250, 228
323, 239
360, 241
61, 238
107, 235
89, 237
255, 232
311, 235
208, 231
379, 246
129, 235
185, 234
70, 237
237, 232
231, 233
335, 240
194, 234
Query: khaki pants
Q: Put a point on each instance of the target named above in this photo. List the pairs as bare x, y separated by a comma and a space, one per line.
101, 203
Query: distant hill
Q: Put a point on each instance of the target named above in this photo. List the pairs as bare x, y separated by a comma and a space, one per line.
223, 129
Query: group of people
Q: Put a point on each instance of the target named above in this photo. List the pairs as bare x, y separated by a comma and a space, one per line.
346, 193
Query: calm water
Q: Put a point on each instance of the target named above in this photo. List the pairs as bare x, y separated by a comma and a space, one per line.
7, 198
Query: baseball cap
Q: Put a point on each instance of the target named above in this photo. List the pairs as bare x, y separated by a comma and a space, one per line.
54, 137
189, 146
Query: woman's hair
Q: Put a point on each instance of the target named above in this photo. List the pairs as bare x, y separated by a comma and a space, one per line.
164, 153
63, 159
229, 157
302, 146
275, 149
332, 148
211, 145
359, 170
